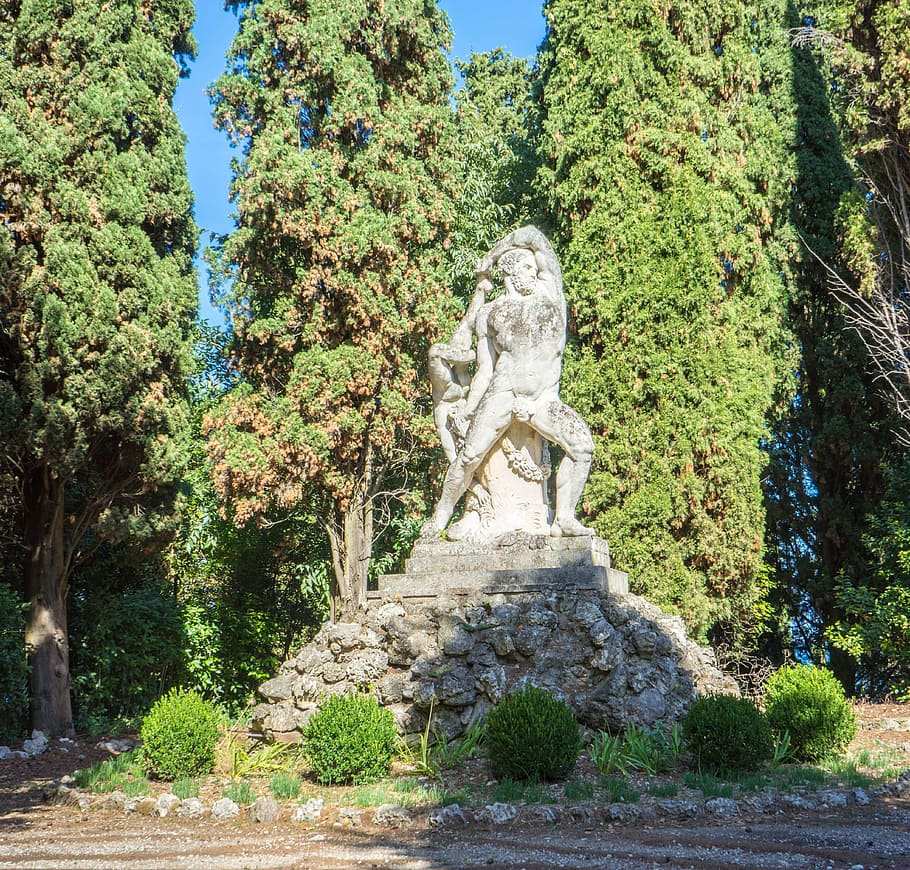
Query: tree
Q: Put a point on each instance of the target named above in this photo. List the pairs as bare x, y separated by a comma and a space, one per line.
97, 290
496, 121
832, 448
665, 176
334, 275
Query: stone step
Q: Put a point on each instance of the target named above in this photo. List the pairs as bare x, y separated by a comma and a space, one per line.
489, 582
508, 553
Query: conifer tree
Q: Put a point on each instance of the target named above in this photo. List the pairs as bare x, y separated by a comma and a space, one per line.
666, 175
334, 276
97, 289
829, 472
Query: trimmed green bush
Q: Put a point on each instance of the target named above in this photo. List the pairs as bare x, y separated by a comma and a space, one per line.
809, 703
532, 736
179, 736
350, 739
727, 734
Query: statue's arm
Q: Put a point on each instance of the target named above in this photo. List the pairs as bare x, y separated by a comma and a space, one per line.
464, 332
485, 364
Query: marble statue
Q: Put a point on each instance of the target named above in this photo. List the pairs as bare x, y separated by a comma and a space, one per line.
496, 423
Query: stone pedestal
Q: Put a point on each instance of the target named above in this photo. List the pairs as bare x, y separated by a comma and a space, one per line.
512, 563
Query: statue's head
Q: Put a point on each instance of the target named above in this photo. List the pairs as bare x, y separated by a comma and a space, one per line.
518, 268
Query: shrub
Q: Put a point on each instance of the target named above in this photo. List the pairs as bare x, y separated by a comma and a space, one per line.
531, 735
179, 735
13, 669
809, 703
727, 734
350, 739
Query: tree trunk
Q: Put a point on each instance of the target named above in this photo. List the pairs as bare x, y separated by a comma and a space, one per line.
351, 539
46, 638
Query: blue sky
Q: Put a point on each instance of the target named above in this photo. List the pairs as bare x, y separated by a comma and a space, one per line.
478, 25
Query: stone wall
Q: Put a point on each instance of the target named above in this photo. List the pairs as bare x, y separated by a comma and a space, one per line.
614, 658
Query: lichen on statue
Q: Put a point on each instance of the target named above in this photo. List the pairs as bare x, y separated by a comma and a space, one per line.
496, 423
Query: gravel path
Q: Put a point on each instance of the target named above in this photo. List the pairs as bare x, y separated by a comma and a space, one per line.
876, 837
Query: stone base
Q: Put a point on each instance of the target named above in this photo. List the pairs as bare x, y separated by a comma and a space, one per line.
512, 563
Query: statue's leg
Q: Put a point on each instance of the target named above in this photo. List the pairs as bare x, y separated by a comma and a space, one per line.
559, 423
491, 419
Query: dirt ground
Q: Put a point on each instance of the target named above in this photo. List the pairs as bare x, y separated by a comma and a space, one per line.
37, 834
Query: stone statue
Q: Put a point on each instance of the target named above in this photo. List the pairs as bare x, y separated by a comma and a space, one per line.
495, 425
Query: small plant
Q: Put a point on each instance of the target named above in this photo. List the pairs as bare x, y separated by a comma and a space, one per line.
618, 790
284, 785
447, 754
179, 735
727, 734
124, 772
579, 790
710, 786
240, 760
650, 750
509, 791
806, 777
350, 739
782, 749
460, 796
606, 753
532, 735
185, 787
239, 791
138, 787
663, 789
809, 702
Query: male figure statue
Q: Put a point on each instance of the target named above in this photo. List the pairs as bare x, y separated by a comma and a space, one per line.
521, 336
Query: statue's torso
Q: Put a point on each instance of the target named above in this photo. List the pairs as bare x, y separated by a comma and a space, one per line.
529, 335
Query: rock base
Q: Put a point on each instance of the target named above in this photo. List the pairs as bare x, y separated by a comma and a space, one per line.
614, 658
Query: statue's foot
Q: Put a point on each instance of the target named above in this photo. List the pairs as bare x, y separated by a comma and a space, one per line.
430, 530
467, 527
570, 528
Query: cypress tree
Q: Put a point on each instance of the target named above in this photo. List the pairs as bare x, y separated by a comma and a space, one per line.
666, 177
334, 275
96, 289
830, 462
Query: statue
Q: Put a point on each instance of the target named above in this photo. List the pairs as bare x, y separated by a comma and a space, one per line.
495, 425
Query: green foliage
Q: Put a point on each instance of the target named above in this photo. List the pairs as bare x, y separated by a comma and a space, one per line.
127, 639
663, 789
350, 739
179, 735
333, 278
578, 790
809, 703
606, 752
496, 124
240, 791
247, 595
13, 667
185, 787
708, 784
532, 735
258, 760
666, 168
284, 785
727, 734
875, 625
649, 750
618, 790
124, 772
829, 450
97, 291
